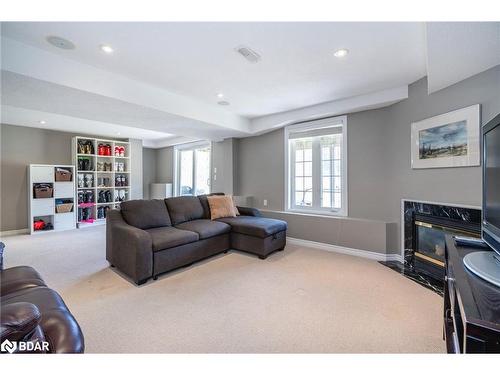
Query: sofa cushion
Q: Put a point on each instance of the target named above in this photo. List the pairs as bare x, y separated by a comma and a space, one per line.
205, 228
255, 226
204, 203
167, 237
222, 206
145, 214
182, 209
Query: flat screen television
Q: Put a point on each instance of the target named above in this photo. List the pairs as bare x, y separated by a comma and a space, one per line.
491, 184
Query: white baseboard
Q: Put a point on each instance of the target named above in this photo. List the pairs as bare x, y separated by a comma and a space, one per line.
345, 250
14, 232
393, 257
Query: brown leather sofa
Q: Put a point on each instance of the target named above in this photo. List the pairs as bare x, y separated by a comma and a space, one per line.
33, 313
149, 237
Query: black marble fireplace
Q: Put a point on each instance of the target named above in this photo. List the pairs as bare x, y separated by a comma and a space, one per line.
424, 228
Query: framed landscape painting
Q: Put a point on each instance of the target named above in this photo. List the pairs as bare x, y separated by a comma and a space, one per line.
447, 140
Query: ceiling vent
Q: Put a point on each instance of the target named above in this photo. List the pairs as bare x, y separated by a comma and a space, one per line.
59, 42
248, 54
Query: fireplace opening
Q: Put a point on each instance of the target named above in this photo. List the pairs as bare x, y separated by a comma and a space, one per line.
429, 242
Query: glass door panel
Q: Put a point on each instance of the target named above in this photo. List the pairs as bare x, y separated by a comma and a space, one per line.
202, 171
186, 168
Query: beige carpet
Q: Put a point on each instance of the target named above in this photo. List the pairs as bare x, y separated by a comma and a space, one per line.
299, 300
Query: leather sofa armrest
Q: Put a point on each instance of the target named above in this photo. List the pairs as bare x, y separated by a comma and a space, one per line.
249, 211
128, 248
2, 247
18, 320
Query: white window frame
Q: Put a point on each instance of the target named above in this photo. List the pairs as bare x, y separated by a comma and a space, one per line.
184, 147
316, 208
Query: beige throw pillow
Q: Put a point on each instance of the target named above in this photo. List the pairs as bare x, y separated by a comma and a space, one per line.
221, 206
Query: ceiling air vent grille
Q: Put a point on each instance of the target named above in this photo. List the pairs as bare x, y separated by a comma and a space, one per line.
248, 54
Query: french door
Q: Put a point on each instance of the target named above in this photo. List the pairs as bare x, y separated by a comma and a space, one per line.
192, 169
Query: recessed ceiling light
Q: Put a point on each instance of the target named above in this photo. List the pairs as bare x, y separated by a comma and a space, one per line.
107, 49
43, 122
59, 42
220, 95
341, 52
223, 102
118, 133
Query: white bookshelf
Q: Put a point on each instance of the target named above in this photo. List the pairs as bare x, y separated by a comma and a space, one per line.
46, 209
103, 181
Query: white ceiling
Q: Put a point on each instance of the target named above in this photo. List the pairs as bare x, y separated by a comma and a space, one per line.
163, 77
31, 118
43, 96
198, 59
479, 50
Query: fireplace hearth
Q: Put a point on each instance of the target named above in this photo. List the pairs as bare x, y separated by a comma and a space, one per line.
424, 229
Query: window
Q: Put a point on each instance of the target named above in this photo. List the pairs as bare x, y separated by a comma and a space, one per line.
316, 166
192, 169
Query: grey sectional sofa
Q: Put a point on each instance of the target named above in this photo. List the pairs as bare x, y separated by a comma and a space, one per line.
146, 238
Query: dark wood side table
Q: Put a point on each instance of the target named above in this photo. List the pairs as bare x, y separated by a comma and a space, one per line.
471, 306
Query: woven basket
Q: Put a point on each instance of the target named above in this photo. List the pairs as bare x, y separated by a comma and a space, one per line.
64, 207
63, 175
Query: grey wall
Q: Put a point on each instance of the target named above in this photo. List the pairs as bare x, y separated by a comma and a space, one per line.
22, 146
136, 177
261, 165
148, 169
261, 169
165, 165
223, 160
362, 234
379, 171
367, 172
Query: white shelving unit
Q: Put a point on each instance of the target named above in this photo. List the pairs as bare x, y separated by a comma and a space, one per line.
47, 208
102, 177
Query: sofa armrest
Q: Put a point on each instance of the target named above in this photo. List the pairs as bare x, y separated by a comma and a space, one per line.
2, 247
18, 320
249, 211
128, 248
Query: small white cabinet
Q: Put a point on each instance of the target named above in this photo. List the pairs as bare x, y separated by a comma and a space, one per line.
51, 197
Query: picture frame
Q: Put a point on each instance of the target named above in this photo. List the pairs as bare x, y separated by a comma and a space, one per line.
448, 140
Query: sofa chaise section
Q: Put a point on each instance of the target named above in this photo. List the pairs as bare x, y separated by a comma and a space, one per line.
257, 235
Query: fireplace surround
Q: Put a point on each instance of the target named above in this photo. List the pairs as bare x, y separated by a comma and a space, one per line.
423, 229
438, 216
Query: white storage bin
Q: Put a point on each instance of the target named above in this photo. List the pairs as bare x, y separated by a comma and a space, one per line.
42, 174
65, 221
64, 189
42, 207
